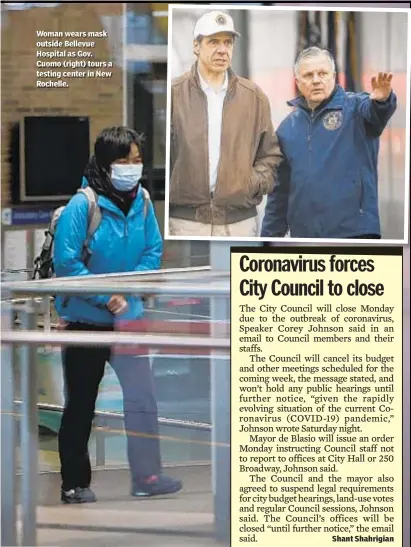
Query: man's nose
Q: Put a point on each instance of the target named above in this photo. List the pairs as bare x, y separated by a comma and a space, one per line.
222, 48
316, 78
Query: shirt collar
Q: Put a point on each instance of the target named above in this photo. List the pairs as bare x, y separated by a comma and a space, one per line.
206, 86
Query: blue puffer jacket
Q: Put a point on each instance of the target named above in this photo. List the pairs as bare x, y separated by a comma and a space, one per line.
327, 185
120, 244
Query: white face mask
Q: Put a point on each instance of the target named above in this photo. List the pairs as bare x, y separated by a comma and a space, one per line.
125, 177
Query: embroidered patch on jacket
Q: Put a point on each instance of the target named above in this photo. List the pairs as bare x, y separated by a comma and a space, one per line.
221, 20
333, 120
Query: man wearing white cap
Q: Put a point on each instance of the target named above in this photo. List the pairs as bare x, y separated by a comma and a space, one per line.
224, 151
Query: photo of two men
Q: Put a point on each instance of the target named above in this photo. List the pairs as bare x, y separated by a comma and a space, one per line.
287, 123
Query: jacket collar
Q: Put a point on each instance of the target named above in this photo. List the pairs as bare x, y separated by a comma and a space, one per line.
205, 86
106, 203
335, 102
195, 79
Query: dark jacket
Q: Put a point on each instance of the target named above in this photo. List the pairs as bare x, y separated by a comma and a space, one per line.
328, 182
249, 152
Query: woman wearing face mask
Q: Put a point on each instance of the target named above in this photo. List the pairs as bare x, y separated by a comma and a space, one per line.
127, 239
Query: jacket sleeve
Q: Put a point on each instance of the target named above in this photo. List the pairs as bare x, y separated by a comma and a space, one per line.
151, 257
376, 114
268, 155
70, 235
275, 214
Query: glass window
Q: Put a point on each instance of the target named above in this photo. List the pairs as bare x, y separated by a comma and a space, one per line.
147, 22
147, 84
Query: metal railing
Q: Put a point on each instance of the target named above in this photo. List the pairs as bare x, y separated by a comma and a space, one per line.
177, 282
103, 420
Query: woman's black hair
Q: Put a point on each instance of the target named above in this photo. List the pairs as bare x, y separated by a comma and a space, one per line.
114, 143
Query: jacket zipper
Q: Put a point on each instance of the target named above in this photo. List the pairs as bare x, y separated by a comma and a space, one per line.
213, 192
125, 242
210, 193
221, 138
205, 101
208, 160
309, 137
219, 159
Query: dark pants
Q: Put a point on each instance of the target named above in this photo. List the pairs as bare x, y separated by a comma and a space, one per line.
83, 370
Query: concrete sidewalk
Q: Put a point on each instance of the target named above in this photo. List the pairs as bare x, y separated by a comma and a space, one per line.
117, 519
47, 538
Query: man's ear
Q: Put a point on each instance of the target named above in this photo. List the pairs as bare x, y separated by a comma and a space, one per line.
196, 47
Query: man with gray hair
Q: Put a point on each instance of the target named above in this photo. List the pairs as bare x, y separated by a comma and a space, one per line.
223, 146
328, 182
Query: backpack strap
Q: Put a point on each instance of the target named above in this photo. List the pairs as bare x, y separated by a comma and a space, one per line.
94, 219
147, 200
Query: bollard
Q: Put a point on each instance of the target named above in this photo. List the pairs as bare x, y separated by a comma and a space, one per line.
29, 431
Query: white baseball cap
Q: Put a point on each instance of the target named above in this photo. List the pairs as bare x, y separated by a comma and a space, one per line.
213, 22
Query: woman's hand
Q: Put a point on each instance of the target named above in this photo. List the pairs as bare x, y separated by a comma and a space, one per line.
117, 304
62, 324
